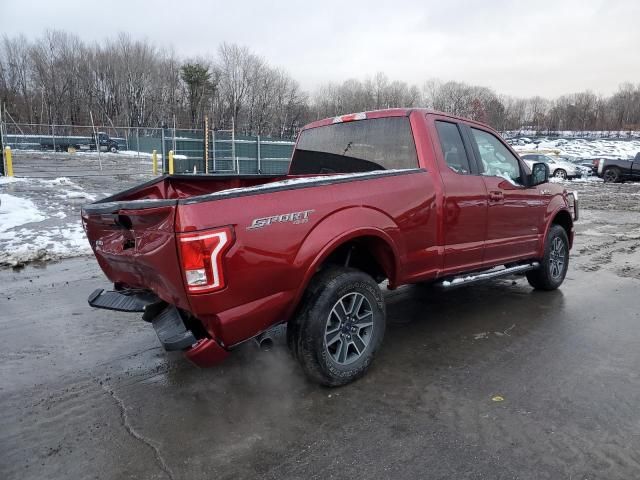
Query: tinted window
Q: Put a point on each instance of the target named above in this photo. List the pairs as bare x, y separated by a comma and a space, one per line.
452, 147
359, 146
497, 160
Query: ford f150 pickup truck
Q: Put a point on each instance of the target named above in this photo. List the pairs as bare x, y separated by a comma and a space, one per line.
402, 196
618, 170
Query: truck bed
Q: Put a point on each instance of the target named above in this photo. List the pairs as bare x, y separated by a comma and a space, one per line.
175, 187
134, 235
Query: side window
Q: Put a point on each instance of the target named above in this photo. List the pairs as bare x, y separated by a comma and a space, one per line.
497, 160
452, 147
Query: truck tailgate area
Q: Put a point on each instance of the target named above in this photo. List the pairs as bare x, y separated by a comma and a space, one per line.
136, 249
133, 232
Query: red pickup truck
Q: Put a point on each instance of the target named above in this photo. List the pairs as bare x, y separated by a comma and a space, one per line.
402, 195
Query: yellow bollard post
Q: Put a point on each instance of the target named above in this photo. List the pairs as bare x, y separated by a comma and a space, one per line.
9, 161
154, 160
170, 162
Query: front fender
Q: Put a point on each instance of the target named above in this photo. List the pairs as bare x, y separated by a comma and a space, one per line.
556, 205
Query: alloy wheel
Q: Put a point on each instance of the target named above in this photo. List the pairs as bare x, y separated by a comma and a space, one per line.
557, 257
349, 328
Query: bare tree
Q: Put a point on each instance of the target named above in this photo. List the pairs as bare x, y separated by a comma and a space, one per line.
57, 78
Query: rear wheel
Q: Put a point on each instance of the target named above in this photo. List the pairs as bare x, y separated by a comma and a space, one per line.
554, 264
611, 174
339, 327
113, 149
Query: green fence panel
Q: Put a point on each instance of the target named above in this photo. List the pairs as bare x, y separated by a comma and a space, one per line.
188, 147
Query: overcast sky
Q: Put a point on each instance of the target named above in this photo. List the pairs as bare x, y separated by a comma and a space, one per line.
520, 48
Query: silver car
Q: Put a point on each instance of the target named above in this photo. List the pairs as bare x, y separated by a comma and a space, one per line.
557, 167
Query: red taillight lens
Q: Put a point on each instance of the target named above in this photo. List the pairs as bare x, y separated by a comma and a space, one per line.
201, 256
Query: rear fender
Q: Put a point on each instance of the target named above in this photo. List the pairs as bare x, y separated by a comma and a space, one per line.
339, 228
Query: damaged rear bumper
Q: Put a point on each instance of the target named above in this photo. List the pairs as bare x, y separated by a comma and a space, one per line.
167, 321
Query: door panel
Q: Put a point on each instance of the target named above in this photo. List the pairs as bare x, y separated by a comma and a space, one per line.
515, 212
465, 200
514, 219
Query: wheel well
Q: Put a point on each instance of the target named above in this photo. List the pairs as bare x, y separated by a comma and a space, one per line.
370, 254
564, 220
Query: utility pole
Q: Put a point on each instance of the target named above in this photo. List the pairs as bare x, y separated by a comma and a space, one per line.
236, 168
1, 145
164, 153
95, 138
206, 144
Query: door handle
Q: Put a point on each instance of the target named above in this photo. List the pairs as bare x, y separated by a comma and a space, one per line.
496, 196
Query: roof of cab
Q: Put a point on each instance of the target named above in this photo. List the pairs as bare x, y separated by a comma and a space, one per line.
388, 112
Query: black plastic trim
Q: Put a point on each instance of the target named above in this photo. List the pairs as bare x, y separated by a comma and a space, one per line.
171, 330
108, 207
114, 207
330, 180
125, 301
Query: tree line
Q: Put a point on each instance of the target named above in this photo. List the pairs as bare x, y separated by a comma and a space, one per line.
58, 79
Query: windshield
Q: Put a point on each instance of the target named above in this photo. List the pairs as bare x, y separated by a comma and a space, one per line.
359, 146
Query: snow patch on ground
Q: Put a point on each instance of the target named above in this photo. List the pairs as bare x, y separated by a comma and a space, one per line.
56, 181
8, 180
39, 219
28, 245
79, 194
581, 148
15, 212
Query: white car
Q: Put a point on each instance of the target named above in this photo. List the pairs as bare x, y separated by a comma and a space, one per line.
557, 168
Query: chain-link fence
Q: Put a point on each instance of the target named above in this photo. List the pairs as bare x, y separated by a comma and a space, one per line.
109, 150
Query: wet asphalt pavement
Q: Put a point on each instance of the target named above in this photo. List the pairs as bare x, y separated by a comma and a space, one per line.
90, 394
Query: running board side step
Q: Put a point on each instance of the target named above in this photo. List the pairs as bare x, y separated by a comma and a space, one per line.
462, 281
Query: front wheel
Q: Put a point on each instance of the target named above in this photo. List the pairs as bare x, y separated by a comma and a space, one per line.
113, 149
560, 173
554, 264
339, 327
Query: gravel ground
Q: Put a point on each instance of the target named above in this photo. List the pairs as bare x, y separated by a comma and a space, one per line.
493, 381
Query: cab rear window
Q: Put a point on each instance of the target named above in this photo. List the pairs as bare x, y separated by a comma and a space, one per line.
359, 146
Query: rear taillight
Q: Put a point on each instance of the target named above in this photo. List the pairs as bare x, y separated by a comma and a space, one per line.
201, 256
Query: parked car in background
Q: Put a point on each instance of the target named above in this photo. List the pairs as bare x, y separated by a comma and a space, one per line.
558, 168
618, 170
586, 165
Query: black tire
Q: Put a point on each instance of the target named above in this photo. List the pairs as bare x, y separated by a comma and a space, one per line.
315, 321
113, 149
560, 173
611, 174
550, 274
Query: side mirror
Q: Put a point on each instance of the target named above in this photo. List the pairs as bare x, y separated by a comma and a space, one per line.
539, 174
